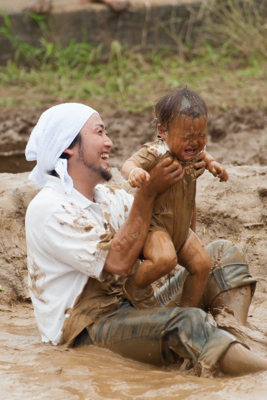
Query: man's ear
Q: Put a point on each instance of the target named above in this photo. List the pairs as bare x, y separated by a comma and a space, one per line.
162, 131
70, 152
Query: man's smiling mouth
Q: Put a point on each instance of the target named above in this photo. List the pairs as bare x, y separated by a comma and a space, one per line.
104, 156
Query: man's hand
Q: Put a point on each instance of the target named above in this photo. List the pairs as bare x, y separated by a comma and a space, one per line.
217, 170
200, 165
164, 174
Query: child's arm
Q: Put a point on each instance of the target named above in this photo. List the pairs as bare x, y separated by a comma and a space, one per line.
215, 168
134, 173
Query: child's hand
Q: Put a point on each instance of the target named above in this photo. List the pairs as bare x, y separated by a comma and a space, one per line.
137, 177
218, 171
200, 164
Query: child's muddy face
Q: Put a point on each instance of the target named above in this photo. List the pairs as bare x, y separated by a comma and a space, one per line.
186, 137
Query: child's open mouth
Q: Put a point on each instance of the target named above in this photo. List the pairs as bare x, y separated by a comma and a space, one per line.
189, 152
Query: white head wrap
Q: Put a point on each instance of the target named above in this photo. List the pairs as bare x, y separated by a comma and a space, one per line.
55, 131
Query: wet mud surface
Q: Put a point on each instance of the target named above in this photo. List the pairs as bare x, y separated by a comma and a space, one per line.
235, 210
31, 370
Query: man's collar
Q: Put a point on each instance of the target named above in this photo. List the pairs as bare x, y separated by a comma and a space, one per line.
75, 196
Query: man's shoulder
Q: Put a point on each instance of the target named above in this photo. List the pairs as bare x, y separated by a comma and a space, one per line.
45, 203
46, 195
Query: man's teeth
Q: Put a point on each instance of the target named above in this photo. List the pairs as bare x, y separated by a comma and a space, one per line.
105, 156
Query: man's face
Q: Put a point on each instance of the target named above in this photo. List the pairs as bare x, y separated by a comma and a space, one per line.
186, 137
94, 149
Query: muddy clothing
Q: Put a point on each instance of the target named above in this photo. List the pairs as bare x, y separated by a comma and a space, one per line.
168, 334
229, 271
163, 336
68, 240
173, 209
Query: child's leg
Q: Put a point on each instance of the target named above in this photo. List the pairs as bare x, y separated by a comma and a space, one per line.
196, 260
160, 260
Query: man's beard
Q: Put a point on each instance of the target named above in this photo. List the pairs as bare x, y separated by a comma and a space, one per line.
105, 174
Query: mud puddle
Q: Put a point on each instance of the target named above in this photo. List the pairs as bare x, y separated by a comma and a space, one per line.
32, 370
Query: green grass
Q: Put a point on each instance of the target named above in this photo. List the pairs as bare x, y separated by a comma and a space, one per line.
237, 27
135, 82
223, 71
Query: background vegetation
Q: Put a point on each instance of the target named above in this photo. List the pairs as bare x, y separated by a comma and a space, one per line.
227, 66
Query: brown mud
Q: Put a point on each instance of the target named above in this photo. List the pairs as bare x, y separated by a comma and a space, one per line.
235, 210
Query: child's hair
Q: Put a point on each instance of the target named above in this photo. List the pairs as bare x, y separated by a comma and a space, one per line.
181, 102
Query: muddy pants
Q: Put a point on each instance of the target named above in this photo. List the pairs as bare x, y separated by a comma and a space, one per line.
167, 335
163, 336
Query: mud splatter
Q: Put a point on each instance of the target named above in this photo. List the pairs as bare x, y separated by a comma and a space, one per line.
36, 279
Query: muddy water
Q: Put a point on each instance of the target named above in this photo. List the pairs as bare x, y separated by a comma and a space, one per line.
32, 370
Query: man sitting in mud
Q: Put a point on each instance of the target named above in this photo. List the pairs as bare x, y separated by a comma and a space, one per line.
83, 239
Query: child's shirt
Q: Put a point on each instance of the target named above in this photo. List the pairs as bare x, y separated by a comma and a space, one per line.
173, 209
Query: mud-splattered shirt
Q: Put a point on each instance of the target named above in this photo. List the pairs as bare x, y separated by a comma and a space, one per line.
173, 209
68, 240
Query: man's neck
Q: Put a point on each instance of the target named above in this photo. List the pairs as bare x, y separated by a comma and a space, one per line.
84, 178
85, 182
86, 190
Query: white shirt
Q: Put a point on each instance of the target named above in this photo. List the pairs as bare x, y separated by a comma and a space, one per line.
63, 233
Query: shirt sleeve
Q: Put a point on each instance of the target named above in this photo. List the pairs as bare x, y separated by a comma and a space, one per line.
146, 157
73, 238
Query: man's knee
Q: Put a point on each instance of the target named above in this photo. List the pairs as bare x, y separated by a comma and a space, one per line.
225, 252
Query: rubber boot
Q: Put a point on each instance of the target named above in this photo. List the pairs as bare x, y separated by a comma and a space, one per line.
140, 298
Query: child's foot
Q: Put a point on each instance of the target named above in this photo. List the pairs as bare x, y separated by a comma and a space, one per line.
140, 298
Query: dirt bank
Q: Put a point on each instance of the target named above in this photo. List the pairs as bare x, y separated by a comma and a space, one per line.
15, 194
234, 137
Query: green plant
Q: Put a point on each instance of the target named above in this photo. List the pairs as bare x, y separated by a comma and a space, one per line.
121, 77
49, 51
238, 28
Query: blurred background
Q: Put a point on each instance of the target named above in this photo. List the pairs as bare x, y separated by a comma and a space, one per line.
121, 63
121, 57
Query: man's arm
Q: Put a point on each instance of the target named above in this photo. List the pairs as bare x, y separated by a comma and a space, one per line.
129, 240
